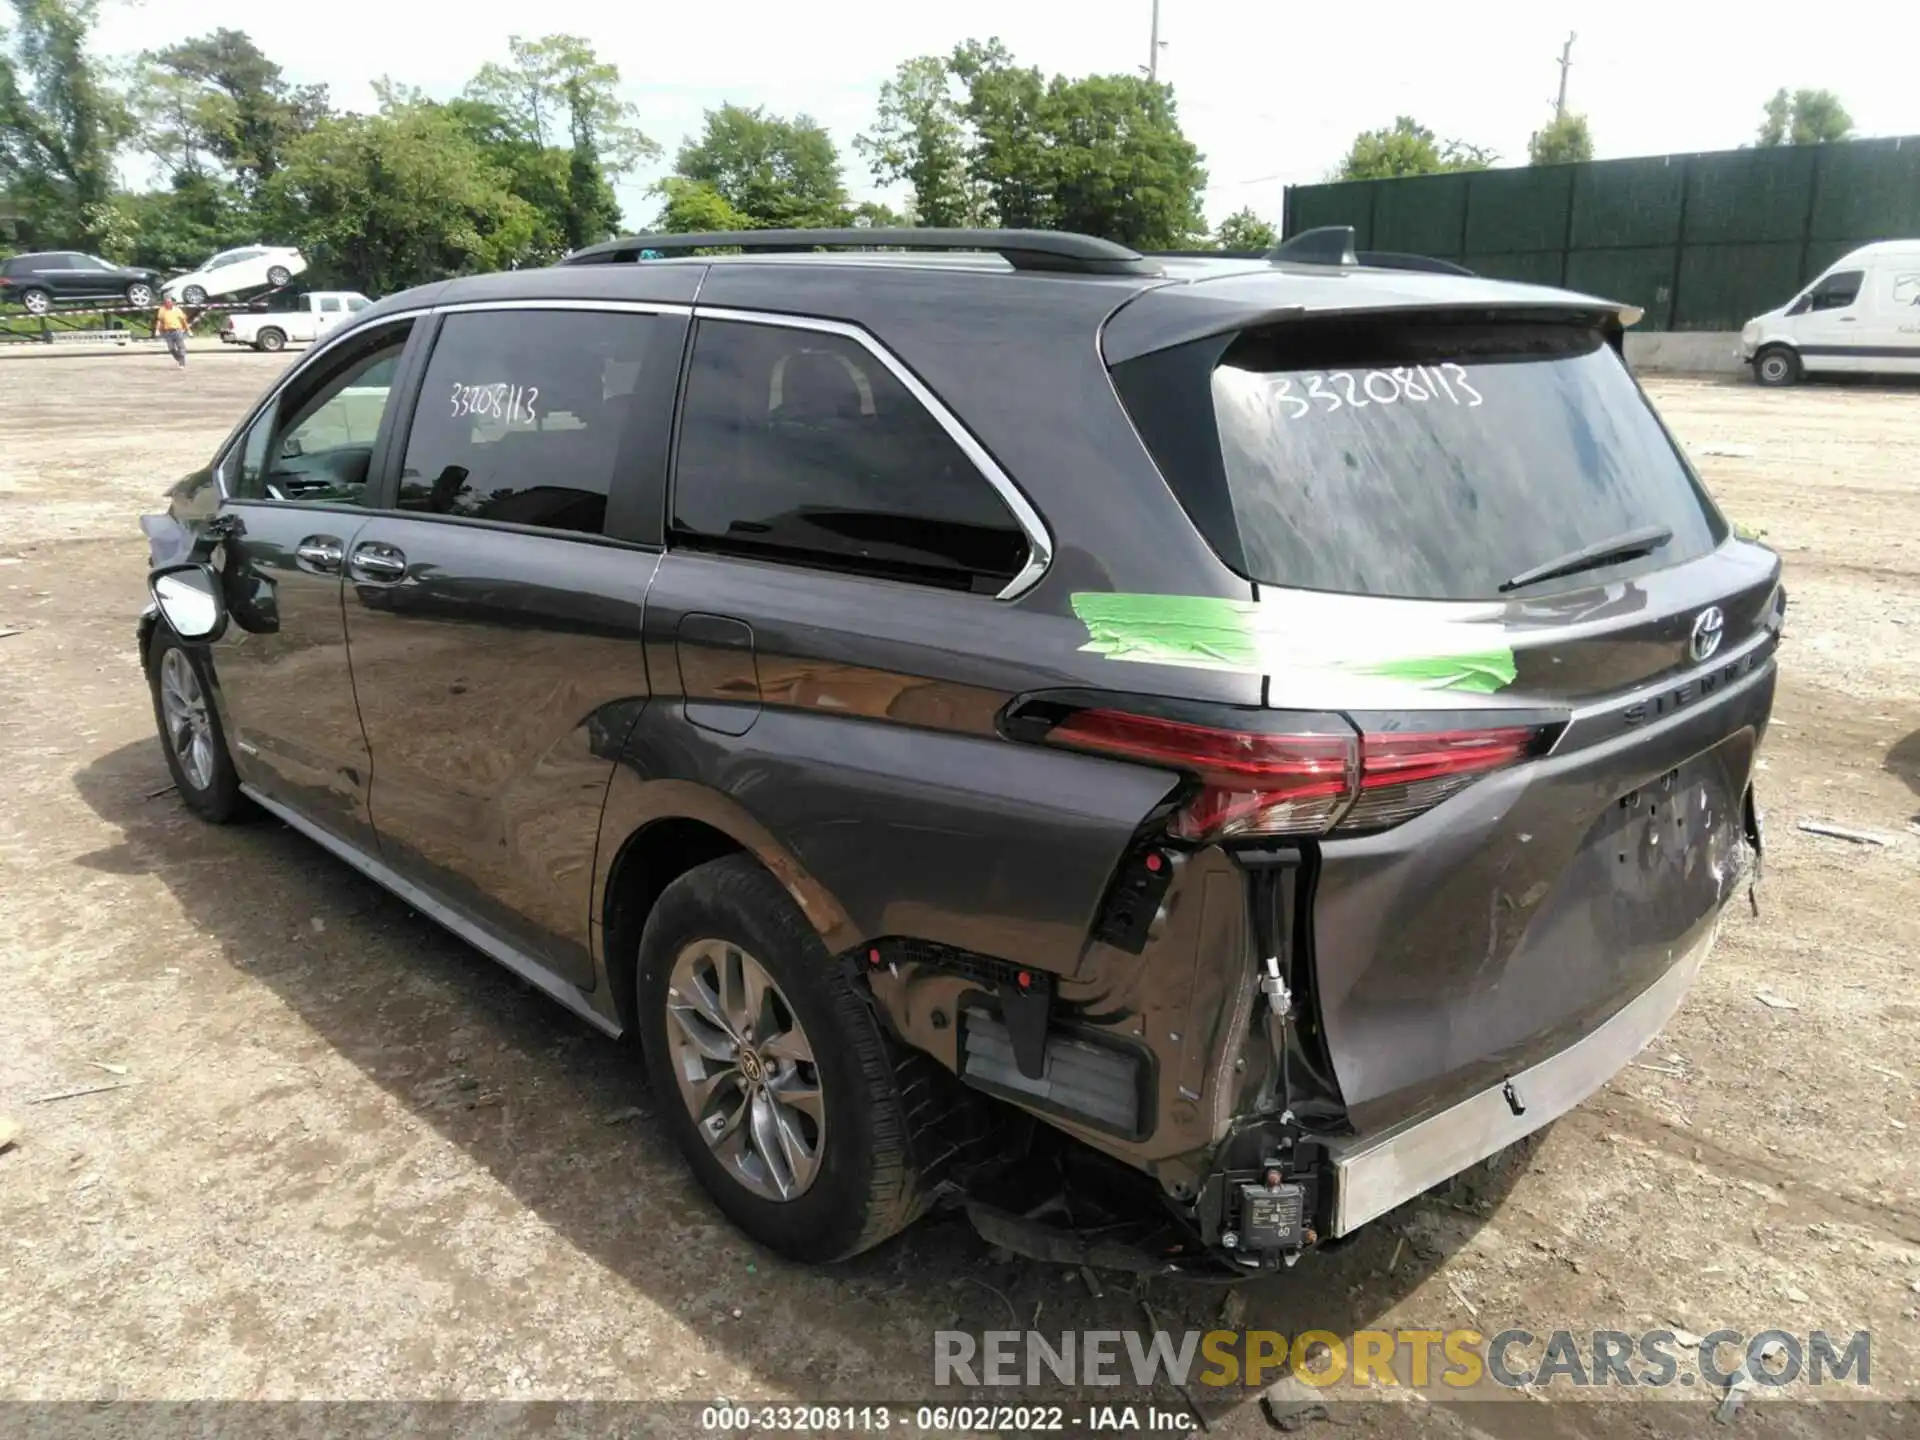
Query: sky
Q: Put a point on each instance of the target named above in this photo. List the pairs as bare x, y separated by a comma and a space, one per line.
1271, 92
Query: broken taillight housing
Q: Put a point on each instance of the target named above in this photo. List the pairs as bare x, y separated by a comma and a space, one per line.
1302, 783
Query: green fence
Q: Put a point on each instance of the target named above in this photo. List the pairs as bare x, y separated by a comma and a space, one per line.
1699, 242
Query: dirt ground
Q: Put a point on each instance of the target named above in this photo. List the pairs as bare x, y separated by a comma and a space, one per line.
352, 1159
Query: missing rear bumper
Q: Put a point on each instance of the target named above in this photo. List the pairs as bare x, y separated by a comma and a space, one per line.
1374, 1173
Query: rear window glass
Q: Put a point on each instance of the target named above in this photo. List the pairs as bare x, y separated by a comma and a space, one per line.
1438, 461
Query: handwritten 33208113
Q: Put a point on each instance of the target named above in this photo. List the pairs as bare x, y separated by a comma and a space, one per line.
1333, 390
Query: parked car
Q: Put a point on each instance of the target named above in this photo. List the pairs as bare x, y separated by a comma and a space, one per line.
41, 281
1861, 315
1241, 740
303, 319
232, 272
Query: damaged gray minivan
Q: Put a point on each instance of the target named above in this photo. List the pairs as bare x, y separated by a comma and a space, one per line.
1177, 755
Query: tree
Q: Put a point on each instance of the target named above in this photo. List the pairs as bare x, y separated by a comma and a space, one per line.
1246, 232
60, 124
1121, 168
1407, 147
556, 96
1808, 117
773, 173
694, 205
981, 140
242, 109
1561, 141
383, 202
1007, 157
919, 139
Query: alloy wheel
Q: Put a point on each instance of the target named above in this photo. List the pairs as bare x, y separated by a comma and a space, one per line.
745, 1069
189, 726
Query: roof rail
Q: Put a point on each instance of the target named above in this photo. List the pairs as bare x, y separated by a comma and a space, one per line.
1050, 250
1333, 245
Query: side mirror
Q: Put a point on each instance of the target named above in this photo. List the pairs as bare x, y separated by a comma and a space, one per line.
189, 601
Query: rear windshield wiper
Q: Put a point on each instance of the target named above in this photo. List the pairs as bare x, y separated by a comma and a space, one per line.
1629, 546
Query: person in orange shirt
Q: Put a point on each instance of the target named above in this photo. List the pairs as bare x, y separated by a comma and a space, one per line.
171, 325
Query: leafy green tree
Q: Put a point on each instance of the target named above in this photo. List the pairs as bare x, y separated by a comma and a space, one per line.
1121, 167
1561, 141
236, 104
541, 175
555, 94
61, 121
919, 139
981, 139
1008, 157
1807, 117
1246, 232
1407, 147
694, 205
771, 172
178, 227
382, 202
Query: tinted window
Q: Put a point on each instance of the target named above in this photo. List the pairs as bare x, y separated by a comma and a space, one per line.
804, 447
1430, 462
1838, 290
316, 442
521, 417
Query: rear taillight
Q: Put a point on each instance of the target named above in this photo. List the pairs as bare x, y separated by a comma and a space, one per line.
1302, 783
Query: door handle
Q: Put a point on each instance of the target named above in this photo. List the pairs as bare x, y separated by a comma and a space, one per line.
319, 553
377, 564
1848, 319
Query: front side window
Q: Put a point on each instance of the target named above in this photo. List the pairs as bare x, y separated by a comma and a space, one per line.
803, 447
521, 416
315, 444
1833, 292
357, 303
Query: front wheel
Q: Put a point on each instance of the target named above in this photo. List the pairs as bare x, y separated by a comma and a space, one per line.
270, 340
780, 1088
190, 733
194, 295
139, 296
36, 302
279, 275
1776, 365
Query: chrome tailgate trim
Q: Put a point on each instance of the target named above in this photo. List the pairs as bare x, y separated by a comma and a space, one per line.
1374, 1173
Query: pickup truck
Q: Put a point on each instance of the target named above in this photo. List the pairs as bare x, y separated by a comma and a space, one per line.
304, 318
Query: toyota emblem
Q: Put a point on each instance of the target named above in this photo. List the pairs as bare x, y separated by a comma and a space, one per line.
1708, 626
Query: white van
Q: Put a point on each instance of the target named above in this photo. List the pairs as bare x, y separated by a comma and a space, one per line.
1863, 314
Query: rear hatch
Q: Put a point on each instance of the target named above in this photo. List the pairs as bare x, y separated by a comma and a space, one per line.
1469, 539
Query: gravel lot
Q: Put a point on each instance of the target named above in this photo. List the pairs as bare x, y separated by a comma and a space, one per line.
353, 1159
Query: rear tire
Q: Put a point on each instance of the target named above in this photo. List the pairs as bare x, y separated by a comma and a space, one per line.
1776, 366
270, 340
36, 302
190, 733
278, 276
194, 295
861, 1183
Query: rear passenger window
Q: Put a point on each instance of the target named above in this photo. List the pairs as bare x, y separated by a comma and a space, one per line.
521, 415
803, 447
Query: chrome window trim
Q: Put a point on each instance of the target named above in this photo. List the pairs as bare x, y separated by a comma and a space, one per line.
272, 397
1039, 542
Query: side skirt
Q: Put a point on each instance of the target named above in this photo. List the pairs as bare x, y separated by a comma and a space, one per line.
490, 945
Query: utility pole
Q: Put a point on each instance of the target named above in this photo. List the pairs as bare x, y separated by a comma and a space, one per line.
1153, 48
1566, 63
